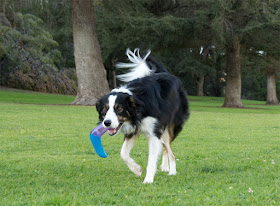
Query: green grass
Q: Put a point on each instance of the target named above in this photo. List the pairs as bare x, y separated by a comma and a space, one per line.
27, 97
46, 157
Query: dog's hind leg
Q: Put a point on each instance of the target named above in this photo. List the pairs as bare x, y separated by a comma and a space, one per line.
172, 162
164, 165
126, 148
167, 144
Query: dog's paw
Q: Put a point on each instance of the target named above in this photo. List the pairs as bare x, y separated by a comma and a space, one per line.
148, 181
164, 168
172, 173
137, 170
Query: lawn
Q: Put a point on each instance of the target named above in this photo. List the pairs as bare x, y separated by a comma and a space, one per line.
46, 157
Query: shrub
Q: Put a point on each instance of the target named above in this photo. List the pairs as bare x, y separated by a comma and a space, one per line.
29, 58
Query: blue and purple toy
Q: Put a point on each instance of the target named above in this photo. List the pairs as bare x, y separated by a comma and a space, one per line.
95, 138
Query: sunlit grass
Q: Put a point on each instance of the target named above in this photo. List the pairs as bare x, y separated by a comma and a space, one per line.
46, 157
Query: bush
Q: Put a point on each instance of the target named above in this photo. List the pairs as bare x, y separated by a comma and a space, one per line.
29, 58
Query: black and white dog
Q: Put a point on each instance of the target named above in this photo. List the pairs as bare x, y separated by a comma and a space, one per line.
152, 102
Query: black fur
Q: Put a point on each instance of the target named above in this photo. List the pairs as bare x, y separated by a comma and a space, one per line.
160, 95
154, 102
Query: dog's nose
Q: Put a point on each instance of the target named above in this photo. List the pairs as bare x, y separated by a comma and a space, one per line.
107, 123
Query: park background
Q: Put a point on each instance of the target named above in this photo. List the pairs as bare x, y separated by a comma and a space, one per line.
208, 44
225, 155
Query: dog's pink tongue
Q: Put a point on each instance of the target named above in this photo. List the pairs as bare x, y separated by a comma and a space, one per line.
112, 131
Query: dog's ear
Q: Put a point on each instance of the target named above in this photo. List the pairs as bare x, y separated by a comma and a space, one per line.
98, 106
135, 105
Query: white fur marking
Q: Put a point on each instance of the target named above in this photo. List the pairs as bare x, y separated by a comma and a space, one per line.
169, 154
122, 89
172, 167
126, 148
155, 147
164, 166
127, 128
111, 115
148, 125
138, 65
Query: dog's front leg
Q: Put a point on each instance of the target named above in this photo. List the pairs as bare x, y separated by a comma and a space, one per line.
126, 148
155, 147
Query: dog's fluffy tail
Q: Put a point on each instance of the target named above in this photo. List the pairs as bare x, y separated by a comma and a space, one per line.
138, 66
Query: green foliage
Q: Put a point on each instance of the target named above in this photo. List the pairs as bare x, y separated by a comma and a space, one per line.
188, 66
38, 41
253, 88
136, 27
59, 24
193, 66
171, 29
47, 157
30, 58
55, 18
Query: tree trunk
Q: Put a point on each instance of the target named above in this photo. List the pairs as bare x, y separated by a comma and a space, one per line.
200, 80
271, 88
92, 80
233, 82
114, 76
4, 7
200, 83
114, 79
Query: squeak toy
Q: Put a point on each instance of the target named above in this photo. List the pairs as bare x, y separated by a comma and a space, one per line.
95, 138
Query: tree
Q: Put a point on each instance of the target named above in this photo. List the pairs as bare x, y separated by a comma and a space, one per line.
195, 63
201, 78
232, 21
271, 70
233, 83
91, 75
258, 38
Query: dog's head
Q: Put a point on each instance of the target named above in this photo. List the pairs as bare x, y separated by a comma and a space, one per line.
117, 108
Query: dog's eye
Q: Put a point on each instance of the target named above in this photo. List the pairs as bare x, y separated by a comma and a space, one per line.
104, 111
119, 109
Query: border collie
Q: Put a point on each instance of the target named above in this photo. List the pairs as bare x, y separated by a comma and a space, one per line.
152, 102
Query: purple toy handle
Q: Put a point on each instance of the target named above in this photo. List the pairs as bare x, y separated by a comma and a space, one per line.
99, 130
95, 138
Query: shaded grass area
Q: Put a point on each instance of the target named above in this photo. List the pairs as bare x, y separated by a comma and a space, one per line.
46, 157
27, 97
214, 104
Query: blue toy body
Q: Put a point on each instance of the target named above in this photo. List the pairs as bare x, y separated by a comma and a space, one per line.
95, 138
96, 142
